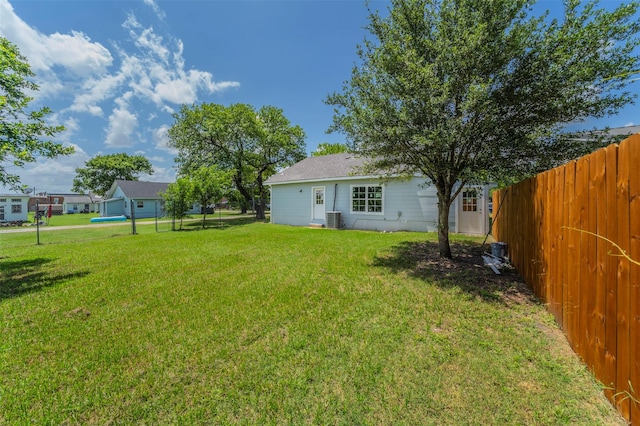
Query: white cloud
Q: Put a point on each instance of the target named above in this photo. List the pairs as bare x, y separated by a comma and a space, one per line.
122, 124
159, 75
146, 40
161, 174
629, 124
159, 12
161, 139
53, 175
74, 52
94, 91
147, 69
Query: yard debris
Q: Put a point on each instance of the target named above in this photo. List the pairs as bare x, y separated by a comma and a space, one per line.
496, 263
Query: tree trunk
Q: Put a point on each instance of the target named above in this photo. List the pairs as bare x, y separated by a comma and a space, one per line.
260, 211
260, 206
444, 204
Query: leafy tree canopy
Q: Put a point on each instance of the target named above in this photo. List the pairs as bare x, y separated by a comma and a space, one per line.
101, 171
251, 144
326, 148
473, 91
209, 186
179, 197
21, 130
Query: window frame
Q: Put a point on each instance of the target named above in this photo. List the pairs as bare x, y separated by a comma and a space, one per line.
16, 208
470, 200
367, 199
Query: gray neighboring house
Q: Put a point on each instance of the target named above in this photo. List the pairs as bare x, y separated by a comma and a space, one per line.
330, 191
145, 197
81, 203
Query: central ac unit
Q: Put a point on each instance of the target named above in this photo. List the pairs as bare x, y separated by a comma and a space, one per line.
333, 220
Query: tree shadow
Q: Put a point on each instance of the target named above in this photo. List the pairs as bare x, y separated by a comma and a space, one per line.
217, 224
21, 277
466, 271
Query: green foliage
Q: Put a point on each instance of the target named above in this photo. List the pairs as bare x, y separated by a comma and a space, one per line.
209, 186
101, 171
251, 144
21, 130
179, 198
326, 148
475, 91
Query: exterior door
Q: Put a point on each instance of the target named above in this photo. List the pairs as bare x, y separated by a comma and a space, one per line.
471, 214
318, 203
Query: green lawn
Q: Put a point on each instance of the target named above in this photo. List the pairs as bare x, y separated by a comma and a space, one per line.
265, 324
84, 218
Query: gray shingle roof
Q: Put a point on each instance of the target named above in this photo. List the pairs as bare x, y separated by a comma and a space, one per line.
137, 189
322, 167
78, 199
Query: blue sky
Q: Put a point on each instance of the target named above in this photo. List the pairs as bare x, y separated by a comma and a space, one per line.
114, 71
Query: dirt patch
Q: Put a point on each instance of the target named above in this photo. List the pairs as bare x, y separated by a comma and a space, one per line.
465, 270
78, 313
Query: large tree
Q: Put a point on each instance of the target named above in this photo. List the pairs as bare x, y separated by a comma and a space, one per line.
251, 144
99, 172
466, 91
327, 148
21, 130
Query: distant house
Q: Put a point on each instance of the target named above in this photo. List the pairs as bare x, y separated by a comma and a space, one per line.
81, 203
144, 197
330, 191
65, 203
14, 208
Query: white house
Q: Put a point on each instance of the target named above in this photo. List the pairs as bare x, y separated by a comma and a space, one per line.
14, 208
330, 191
81, 203
145, 198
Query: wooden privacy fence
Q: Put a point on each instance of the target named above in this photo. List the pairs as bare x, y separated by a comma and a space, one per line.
573, 233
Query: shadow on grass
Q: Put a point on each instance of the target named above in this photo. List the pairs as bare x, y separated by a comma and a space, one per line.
466, 271
20, 277
217, 224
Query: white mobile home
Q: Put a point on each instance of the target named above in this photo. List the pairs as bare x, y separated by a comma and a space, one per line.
330, 191
14, 208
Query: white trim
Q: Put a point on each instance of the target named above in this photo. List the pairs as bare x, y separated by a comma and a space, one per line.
313, 201
351, 211
332, 179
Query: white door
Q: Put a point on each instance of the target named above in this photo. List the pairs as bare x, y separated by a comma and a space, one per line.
471, 214
318, 203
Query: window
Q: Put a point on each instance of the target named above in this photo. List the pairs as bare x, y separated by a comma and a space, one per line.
470, 200
56, 200
16, 208
3, 200
16, 200
140, 204
366, 199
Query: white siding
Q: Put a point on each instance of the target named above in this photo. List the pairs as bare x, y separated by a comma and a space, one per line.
8, 201
408, 206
